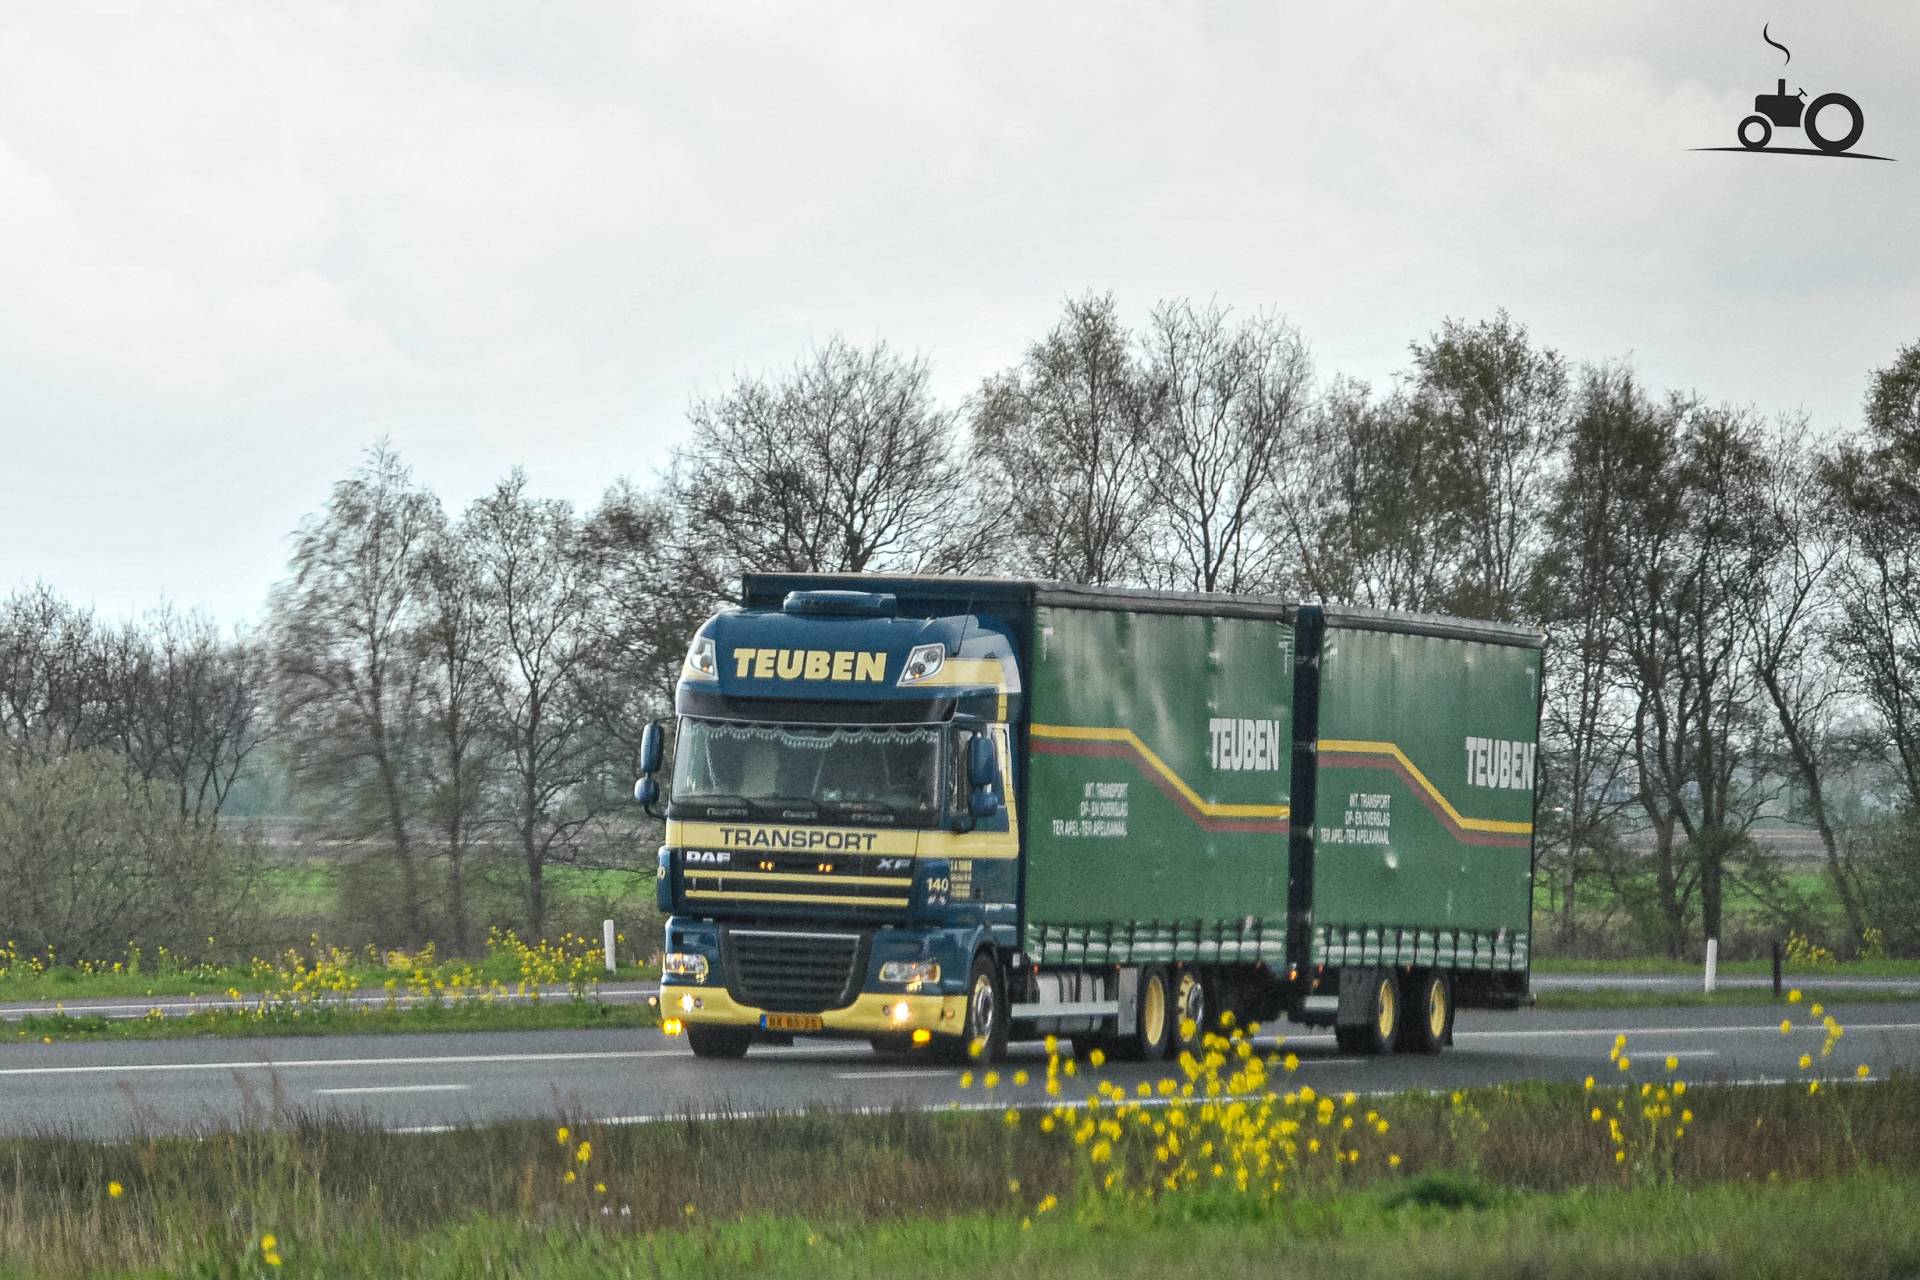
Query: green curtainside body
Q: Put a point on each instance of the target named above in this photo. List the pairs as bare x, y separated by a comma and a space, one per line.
1423, 799
1158, 786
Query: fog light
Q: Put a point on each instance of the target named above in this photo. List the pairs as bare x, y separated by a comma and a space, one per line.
686, 1003
670, 1026
899, 1012
921, 1035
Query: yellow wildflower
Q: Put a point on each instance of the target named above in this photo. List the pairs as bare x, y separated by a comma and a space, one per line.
115, 1190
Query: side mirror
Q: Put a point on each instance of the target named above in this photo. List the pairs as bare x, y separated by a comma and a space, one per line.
653, 744
983, 767
647, 791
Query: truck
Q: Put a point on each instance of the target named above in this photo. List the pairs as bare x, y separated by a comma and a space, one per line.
940, 813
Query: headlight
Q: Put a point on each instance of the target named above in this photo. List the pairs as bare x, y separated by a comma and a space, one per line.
923, 663
684, 965
911, 972
701, 664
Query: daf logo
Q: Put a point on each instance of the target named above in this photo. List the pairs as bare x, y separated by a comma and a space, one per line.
708, 857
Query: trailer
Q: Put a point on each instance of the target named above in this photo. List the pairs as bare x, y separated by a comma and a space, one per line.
940, 813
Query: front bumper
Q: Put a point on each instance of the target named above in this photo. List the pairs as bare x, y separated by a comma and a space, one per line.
869, 1014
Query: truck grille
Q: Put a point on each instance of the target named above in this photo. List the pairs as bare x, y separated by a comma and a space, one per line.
861, 882
793, 971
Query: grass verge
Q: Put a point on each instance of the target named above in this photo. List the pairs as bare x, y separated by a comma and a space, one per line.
322, 1020
1730, 997
1508, 1182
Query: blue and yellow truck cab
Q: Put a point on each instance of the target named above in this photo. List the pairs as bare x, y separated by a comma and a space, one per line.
823, 777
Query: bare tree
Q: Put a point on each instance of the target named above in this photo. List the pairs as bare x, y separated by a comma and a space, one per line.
1229, 402
537, 587
1062, 440
457, 646
842, 466
348, 660
1501, 405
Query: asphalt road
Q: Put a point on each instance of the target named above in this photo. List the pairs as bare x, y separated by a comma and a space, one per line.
415, 1082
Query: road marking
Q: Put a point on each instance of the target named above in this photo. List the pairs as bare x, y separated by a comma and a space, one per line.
1670, 1031
1654, 1054
906, 1073
395, 1088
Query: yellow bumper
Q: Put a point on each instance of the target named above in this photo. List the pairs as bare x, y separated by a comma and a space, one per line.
867, 1015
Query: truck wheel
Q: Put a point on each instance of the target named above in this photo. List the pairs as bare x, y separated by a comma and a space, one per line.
985, 1019
1429, 1001
1192, 1013
709, 1041
1380, 1031
1152, 1032
1755, 141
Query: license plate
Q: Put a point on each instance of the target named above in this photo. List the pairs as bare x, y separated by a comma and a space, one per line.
790, 1021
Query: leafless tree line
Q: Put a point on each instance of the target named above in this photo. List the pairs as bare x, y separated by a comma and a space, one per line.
1734, 605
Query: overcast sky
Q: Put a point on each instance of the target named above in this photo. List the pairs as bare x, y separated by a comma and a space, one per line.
238, 242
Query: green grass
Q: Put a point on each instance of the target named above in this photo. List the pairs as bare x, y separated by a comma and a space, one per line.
1729, 997
1660, 966
1768, 1183
64, 982
554, 1013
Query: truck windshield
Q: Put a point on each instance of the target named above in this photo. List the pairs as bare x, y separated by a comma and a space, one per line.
839, 770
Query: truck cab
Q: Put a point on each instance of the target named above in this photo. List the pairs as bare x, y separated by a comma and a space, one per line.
841, 840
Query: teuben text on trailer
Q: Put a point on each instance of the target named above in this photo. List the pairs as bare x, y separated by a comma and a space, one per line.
939, 812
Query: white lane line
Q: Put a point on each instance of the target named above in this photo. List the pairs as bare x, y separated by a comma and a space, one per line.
394, 1088
1654, 1055
1674, 1031
913, 1073
1336, 1062
452, 1059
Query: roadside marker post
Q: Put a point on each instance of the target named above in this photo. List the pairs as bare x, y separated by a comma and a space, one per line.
1776, 968
606, 938
1713, 962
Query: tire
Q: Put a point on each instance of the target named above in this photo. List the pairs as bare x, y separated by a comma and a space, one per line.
1428, 999
1193, 1000
709, 1041
1147, 1039
986, 1017
1380, 1032
1833, 146
1766, 133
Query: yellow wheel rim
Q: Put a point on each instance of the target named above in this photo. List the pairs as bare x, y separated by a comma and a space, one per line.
1153, 1010
1389, 1015
1437, 1008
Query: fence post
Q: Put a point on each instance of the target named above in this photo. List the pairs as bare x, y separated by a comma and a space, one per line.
1713, 962
1776, 968
606, 937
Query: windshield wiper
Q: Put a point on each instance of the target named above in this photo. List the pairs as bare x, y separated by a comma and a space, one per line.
716, 800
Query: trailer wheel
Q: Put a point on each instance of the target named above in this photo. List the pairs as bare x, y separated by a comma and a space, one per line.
1193, 1010
985, 1019
1152, 1032
1379, 1032
708, 1041
1429, 1000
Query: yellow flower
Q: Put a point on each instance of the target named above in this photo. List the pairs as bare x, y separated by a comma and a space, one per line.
600, 1188
1806, 1060
1625, 1062
115, 1190
1679, 1088
1619, 1157
585, 1153
268, 1243
1589, 1088
1013, 1186
1046, 1124
1793, 996
1053, 1045
1673, 1063
1012, 1118
561, 1135
1686, 1117
1863, 1071
570, 1178
1020, 1077
966, 1079
1393, 1162
1816, 1011
1097, 1058
1786, 1026
1813, 1086
271, 1258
